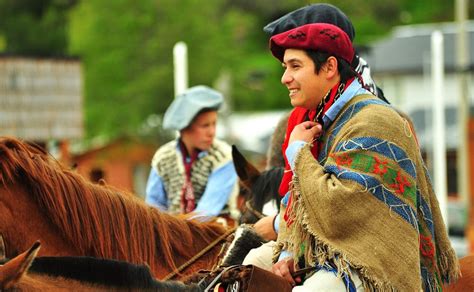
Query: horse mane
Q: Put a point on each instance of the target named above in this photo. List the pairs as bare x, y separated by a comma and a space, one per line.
265, 187
103, 272
100, 221
93, 270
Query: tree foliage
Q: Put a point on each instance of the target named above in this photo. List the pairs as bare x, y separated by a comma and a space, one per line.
35, 27
126, 47
127, 52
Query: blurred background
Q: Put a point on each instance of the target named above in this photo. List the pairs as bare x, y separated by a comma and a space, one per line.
90, 80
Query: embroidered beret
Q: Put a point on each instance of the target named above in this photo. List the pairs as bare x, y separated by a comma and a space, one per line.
188, 104
315, 36
314, 13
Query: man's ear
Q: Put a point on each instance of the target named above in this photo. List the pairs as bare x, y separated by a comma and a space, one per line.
331, 67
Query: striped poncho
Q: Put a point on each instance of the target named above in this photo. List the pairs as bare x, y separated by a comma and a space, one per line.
368, 204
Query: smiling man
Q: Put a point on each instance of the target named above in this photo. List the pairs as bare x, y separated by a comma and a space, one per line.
358, 203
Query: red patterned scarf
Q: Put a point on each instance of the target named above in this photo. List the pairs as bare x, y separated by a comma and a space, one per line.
188, 203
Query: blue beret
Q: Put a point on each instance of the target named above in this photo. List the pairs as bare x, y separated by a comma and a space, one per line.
188, 104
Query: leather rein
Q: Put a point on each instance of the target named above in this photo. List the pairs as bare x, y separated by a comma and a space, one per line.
248, 207
199, 254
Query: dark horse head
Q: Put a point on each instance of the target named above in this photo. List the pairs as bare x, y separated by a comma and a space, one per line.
258, 187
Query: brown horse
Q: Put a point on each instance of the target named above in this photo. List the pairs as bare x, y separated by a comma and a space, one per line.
26, 272
40, 199
466, 281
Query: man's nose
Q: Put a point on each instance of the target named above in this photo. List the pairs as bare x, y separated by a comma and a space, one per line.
286, 77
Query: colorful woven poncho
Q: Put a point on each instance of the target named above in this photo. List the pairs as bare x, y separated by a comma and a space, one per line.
368, 204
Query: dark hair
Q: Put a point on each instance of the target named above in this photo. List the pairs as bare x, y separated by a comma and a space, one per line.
320, 58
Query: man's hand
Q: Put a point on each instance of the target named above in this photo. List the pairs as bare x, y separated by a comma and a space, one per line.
264, 228
306, 131
284, 268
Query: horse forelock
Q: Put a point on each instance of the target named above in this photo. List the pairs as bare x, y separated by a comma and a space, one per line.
98, 220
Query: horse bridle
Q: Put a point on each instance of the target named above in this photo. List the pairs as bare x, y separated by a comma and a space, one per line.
199, 254
248, 207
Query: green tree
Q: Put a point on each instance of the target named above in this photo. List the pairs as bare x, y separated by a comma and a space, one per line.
126, 47
35, 27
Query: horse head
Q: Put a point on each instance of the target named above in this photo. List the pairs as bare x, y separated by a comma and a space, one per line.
260, 187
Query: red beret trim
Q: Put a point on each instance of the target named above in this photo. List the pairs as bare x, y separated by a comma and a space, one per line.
315, 36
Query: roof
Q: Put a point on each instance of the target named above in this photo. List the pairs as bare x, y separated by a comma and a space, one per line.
408, 48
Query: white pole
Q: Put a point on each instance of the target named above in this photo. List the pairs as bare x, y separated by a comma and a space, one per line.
462, 62
439, 133
180, 58
463, 168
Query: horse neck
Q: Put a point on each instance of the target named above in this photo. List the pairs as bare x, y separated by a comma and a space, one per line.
89, 220
116, 225
23, 223
193, 238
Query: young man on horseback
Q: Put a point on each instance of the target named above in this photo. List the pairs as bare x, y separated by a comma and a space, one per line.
193, 173
314, 13
358, 203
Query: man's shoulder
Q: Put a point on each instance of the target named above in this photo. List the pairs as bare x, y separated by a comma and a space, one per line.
370, 115
366, 103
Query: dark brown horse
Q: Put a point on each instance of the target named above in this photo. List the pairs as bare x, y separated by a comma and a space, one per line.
26, 272
40, 199
258, 187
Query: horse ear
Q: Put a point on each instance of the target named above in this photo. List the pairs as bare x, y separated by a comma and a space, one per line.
12, 271
245, 170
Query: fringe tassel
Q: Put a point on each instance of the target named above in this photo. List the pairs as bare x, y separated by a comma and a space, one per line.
316, 251
449, 266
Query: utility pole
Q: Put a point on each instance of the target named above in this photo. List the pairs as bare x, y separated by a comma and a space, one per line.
439, 124
462, 62
180, 61
223, 84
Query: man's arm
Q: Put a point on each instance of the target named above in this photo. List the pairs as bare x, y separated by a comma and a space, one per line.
265, 227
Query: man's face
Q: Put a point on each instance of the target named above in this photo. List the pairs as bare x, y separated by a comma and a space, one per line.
307, 88
200, 134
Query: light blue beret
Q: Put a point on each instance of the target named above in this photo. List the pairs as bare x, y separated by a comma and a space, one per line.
188, 104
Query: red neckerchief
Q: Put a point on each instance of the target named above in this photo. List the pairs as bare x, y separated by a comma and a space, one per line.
188, 203
297, 116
